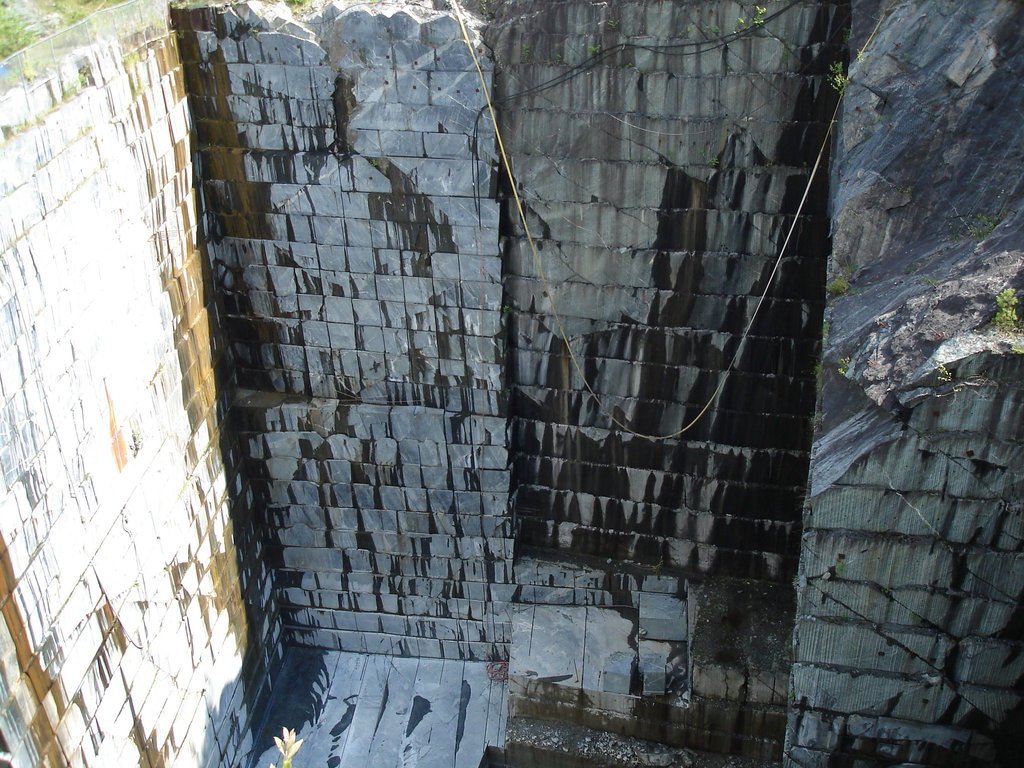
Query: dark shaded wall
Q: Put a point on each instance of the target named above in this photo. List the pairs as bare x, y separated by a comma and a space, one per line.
352, 234
661, 150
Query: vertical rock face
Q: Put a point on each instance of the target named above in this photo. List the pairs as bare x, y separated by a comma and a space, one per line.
124, 636
290, 410
908, 622
661, 150
350, 221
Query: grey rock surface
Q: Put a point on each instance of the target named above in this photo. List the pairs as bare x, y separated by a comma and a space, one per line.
909, 561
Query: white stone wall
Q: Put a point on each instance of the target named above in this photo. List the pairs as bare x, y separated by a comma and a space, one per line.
124, 631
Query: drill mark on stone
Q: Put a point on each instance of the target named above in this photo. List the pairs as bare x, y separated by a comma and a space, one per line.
460, 729
555, 678
420, 708
346, 719
383, 706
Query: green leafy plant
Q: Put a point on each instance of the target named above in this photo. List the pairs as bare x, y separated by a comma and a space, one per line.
14, 34
1006, 318
844, 365
287, 746
759, 13
836, 78
594, 50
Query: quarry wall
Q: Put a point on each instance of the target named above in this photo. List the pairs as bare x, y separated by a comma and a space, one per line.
125, 637
908, 635
662, 150
350, 221
274, 335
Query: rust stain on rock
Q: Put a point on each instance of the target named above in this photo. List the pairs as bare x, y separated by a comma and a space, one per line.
33, 673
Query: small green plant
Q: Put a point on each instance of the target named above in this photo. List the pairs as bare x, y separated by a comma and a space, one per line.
1006, 318
944, 374
612, 24
984, 224
759, 13
836, 78
712, 30
287, 746
594, 50
844, 365
846, 34
525, 53
839, 286
929, 281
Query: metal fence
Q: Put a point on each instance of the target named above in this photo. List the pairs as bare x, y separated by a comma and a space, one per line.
134, 22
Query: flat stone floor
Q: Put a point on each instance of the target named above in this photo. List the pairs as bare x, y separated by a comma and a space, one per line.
373, 711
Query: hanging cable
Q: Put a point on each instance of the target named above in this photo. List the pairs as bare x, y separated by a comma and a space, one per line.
547, 288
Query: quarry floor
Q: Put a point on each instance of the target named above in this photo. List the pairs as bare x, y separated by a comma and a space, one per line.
361, 710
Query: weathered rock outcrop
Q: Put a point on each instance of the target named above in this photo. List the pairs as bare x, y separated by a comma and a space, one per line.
908, 630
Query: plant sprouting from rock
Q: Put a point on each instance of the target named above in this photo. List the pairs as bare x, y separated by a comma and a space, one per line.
984, 224
839, 286
1006, 318
287, 745
836, 78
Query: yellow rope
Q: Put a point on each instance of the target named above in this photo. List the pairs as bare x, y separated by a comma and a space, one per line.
547, 289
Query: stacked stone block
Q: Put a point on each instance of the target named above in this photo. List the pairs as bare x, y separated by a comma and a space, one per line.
662, 151
647, 655
347, 187
906, 634
125, 636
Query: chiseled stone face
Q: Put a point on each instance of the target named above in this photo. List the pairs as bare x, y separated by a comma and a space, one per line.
353, 226
661, 176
